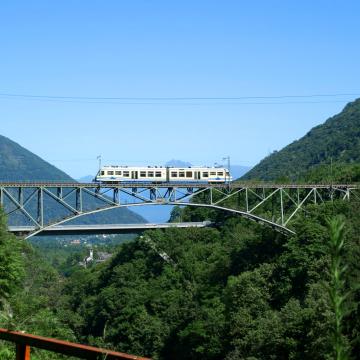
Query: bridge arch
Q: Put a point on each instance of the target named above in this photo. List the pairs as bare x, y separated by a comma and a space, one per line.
252, 217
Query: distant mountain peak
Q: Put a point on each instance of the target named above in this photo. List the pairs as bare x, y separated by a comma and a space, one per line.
178, 163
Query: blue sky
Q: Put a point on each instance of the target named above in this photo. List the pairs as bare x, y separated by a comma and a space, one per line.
157, 49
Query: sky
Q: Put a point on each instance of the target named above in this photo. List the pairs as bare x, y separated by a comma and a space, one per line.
143, 82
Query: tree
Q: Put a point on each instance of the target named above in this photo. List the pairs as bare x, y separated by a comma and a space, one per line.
337, 284
11, 265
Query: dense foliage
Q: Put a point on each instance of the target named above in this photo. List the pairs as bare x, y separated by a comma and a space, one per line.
337, 140
29, 295
65, 257
238, 292
11, 264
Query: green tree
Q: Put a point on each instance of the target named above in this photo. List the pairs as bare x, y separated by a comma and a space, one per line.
11, 262
337, 292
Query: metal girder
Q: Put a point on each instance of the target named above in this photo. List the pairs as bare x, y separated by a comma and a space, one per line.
20, 207
270, 204
298, 207
264, 200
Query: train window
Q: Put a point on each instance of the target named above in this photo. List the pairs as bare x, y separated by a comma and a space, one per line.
150, 174
102, 173
213, 173
173, 174
181, 174
126, 174
158, 174
189, 174
142, 173
110, 173
205, 174
117, 172
220, 173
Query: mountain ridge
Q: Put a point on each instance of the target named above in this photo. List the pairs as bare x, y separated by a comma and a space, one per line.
15, 160
336, 140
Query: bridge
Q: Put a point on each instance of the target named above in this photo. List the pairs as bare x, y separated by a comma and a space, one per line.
45, 205
103, 228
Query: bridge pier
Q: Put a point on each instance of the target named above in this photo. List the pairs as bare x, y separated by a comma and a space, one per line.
40, 207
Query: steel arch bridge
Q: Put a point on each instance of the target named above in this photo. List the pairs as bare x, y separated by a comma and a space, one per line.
46, 204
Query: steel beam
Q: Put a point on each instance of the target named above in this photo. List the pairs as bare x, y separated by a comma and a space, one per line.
283, 198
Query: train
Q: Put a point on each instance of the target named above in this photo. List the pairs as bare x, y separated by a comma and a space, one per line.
113, 174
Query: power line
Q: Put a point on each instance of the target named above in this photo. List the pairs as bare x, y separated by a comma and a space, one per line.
183, 98
142, 162
183, 103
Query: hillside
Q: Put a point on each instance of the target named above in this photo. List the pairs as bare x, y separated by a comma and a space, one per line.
19, 164
236, 292
337, 139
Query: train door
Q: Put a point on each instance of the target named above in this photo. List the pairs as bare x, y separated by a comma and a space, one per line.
134, 175
197, 175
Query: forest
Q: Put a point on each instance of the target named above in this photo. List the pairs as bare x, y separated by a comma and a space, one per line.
237, 291
335, 141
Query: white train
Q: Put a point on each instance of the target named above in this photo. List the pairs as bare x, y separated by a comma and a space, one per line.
160, 174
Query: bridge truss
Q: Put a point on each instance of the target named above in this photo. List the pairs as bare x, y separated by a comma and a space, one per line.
42, 205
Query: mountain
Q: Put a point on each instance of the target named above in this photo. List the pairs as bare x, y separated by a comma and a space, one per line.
335, 141
19, 164
178, 163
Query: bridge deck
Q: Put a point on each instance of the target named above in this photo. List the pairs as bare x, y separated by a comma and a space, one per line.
191, 184
104, 228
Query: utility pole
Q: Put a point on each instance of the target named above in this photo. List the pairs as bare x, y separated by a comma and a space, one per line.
99, 158
228, 165
331, 171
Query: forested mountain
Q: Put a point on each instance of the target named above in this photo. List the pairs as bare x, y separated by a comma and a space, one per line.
239, 291
19, 164
337, 141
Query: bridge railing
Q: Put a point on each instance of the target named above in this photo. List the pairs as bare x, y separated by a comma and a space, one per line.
24, 342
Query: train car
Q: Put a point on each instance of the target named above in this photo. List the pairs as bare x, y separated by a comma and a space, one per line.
112, 174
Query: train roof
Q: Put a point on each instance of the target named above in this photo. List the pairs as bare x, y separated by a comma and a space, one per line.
162, 167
